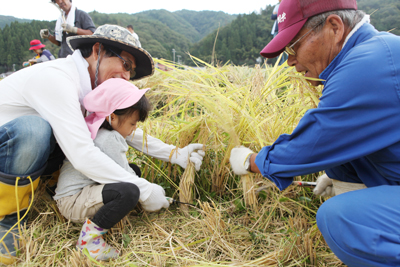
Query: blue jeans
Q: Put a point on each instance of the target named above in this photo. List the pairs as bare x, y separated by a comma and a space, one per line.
362, 227
25, 145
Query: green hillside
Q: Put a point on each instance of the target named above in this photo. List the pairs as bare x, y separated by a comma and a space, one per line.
14, 43
155, 36
205, 22
385, 14
6, 20
239, 41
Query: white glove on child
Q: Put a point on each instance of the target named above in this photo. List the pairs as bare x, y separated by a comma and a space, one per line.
69, 28
156, 201
44, 33
324, 187
183, 155
238, 159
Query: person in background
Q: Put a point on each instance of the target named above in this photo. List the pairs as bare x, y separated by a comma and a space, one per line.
130, 29
43, 55
353, 135
275, 29
72, 21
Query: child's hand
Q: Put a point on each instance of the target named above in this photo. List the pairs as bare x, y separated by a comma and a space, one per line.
192, 152
156, 200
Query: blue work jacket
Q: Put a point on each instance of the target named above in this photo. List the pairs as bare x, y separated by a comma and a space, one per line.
354, 133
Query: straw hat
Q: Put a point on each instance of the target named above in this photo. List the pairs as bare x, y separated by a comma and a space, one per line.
119, 37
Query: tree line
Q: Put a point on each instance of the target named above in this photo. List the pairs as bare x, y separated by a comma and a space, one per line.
211, 36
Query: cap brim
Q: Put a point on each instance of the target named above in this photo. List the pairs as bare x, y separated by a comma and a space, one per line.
37, 47
144, 61
281, 40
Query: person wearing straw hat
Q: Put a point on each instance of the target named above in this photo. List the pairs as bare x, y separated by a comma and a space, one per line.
43, 55
72, 21
353, 134
42, 122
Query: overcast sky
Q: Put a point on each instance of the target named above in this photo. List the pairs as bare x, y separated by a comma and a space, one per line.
43, 10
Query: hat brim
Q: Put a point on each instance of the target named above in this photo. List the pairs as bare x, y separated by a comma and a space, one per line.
282, 39
37, 47
144, 61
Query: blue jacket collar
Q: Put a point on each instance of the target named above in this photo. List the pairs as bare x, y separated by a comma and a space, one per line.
365, 32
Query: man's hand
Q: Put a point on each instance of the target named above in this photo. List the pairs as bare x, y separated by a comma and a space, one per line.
238, 158
324, 187
156, 201
44, 33
183, 155
327, 187
69, 28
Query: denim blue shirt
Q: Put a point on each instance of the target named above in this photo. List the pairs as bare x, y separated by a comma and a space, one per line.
354, 133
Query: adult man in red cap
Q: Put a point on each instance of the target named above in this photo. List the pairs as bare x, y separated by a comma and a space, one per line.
352, 135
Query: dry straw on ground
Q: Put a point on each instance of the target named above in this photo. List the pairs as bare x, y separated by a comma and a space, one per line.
220, 107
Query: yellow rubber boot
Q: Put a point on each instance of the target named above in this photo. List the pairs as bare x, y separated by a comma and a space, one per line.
15, 198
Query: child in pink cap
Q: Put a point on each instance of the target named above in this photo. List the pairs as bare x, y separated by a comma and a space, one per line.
117, 106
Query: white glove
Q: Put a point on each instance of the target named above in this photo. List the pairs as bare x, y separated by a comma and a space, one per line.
327, 187
324, 187
183, 155
69, 28
44, 33
238, 159
156, 201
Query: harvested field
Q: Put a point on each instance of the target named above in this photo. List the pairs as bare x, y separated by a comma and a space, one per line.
233, 223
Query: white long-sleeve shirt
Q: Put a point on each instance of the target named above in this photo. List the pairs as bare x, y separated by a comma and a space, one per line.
54, 90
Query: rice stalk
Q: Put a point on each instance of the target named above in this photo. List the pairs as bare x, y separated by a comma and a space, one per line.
186, 187
249, 193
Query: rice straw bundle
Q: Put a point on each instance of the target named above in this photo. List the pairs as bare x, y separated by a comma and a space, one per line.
186, 187
249, 193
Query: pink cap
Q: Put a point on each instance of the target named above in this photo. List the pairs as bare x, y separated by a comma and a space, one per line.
293, 14
109, 96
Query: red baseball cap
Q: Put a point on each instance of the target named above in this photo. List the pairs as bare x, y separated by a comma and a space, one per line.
293, 14
36, 44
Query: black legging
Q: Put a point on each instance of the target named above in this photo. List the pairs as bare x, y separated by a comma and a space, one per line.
119, 199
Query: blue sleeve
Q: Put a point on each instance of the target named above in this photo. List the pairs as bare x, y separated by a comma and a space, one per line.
358, 114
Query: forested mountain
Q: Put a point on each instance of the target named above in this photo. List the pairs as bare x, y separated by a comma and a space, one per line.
6, 20
159, 32
14, 43
205, 22
155, 36
385, 15
239, 38
240, 42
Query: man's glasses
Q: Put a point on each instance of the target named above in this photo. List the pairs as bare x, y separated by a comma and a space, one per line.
290, 50
127, 64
